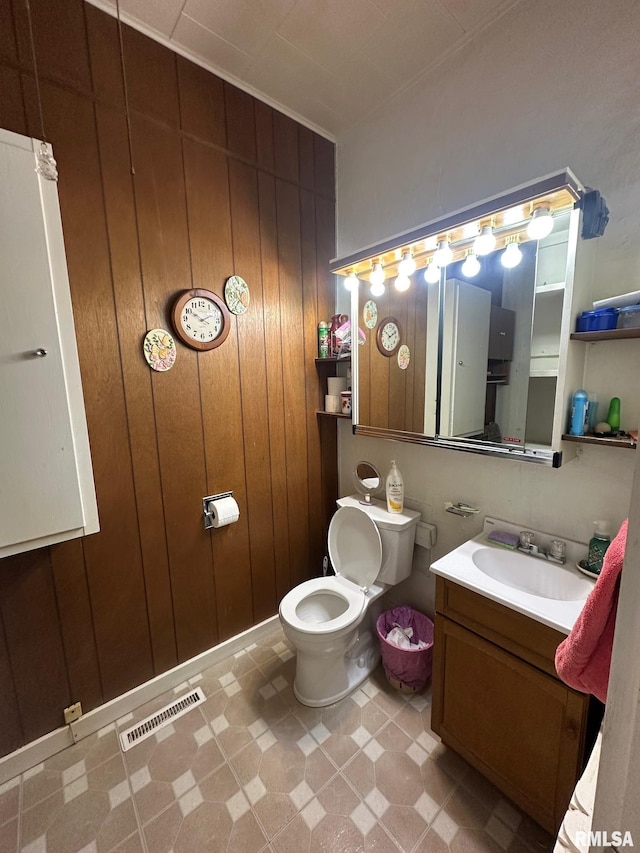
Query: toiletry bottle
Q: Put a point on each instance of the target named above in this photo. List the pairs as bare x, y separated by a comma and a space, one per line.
395, 489
613, 417
579, 410
593, 411
598, 545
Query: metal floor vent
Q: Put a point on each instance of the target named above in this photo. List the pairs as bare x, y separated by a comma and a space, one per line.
150, 725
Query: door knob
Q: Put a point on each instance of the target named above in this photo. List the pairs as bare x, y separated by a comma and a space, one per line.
40, 352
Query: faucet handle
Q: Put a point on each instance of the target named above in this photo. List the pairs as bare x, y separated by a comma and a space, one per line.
526, 539
558, 550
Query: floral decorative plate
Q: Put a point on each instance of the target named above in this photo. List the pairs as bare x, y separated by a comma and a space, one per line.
404, 357
236, 294
370, 314
159, 349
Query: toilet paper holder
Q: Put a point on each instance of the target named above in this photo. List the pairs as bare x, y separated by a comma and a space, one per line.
208, 515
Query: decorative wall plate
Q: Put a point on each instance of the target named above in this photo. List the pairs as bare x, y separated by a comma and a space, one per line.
404, 357
370, 314
236, 294
159, 349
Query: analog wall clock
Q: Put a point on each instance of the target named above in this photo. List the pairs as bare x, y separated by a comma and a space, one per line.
388, 336
201, 319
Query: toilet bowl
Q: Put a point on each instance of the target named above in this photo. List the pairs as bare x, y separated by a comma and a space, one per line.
331, 620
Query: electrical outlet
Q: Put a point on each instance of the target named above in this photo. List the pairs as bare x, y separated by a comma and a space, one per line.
73, 712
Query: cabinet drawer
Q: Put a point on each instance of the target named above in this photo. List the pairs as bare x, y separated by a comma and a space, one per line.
522, 636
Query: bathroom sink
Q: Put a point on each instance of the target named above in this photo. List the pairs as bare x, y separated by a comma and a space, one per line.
548, 592
533, 575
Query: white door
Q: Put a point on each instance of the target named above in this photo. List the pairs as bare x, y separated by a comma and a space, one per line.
39, 481
467, 311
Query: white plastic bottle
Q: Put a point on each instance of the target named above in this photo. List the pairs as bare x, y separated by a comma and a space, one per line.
395, 489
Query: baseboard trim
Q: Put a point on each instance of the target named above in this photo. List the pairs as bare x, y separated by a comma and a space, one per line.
39, 750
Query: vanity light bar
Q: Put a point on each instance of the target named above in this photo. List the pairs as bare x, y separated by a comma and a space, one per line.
558, 191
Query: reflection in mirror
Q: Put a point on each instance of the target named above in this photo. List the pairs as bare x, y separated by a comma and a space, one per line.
367, 480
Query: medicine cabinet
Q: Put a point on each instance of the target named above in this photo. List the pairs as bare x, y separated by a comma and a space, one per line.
490, 368
47, 491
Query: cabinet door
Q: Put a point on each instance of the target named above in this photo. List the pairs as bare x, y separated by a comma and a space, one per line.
519, 727
40, 487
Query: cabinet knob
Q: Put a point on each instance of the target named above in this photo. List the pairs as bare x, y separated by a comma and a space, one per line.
503, 334
40, 352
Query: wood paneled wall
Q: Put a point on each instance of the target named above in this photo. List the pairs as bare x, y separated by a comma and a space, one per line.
221, 184
391, 398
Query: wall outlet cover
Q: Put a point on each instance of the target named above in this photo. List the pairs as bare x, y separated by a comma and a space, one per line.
73, 712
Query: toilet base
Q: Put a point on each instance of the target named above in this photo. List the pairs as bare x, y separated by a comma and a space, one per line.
334, 676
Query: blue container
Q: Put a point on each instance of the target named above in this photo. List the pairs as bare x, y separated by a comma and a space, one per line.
597, 321
579, 410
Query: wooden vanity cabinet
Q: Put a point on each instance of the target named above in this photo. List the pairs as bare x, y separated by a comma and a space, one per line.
498, 702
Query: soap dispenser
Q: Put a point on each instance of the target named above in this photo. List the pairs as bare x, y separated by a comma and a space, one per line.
395, 489
598, 545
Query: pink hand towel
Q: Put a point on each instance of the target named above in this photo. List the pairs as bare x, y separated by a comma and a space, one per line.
583, 660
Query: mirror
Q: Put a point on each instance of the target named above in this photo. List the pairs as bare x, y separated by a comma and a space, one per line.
367, 480
480, 359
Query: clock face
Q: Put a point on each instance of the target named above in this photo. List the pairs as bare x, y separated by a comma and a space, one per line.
388, 336
201, 319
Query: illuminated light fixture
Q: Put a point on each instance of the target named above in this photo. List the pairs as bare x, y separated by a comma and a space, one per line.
402, 283
541, 223
351, 281
432, 273
471, 266
485, 242
471, 230
512, 255
443, 254
376, 277
407, 265
513, 215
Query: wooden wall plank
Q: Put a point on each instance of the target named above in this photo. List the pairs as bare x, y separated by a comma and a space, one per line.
55, 27
274, 341
76, 623
241, 123
30, 619
211, 251
324, 160
130, 309
286, 147
11, 735
12, 115
306, 162
264, 136
293, 372
152, 79
243, 187
104, 56
113, 558
8, 46
202, 111
166, 271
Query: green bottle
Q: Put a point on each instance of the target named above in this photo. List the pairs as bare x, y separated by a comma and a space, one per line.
613, 418
598, 545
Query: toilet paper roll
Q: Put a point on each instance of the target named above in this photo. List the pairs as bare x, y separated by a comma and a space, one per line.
331, 403
224, 511
336, 384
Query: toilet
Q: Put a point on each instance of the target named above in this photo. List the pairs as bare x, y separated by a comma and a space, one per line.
331, 620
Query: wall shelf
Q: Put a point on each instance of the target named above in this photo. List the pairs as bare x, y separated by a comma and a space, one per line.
606, 335
332, 414
345, 359
605, 442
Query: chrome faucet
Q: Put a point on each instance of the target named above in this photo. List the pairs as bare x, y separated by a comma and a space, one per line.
556, 554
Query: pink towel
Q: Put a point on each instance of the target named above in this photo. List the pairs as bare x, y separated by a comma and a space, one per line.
583, 660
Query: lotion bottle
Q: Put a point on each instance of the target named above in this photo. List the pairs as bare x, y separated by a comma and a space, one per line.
395, 489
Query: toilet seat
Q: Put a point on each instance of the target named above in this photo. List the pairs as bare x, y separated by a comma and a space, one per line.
349, 597
325, 605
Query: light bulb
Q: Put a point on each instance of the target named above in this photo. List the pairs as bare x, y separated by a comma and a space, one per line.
377, 289
432, 273
511, 256
541, 223
402, 283
351, 281
407, 265
377, 274
485, 242
471, 266
443, 254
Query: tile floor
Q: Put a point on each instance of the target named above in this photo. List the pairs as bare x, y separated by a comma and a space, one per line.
252, 770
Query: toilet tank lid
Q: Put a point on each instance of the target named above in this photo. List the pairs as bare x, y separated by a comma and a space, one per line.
377, 511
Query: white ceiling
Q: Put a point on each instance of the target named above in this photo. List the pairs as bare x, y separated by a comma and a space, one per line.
328, 63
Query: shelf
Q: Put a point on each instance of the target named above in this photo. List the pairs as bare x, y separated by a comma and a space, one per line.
606, 335
594, 439
343, 359
332, 414
553, 287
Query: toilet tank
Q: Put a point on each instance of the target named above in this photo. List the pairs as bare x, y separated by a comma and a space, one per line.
397, 532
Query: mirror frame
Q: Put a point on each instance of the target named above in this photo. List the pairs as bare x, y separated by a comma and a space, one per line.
528, 192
